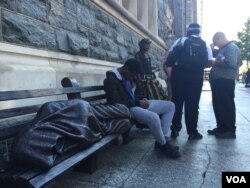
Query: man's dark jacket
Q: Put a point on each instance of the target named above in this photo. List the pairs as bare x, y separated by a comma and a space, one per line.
145, 63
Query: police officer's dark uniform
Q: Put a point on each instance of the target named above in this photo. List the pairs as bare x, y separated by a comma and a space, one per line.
187, 79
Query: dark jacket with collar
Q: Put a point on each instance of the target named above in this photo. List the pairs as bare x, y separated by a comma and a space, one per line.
116, 92
145, 63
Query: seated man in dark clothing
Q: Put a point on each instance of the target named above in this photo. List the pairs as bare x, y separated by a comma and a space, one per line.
121, 87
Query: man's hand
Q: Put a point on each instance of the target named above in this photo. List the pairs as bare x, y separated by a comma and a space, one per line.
144, 103
220, 61
169, 97
168, 71
169, 88
210, 63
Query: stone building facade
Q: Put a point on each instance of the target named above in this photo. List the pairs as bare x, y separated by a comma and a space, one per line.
41, 41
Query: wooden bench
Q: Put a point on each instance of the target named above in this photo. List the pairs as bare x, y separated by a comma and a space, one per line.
13, 120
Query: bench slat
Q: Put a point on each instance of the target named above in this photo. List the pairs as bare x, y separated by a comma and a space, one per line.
94, 88
95, 98
11, 127
58, 169
23, 94
18, 111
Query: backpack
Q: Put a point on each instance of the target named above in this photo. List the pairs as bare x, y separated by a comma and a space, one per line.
155, 90
193, 55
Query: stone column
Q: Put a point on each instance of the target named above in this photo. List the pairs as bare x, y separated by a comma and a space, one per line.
142, 12
179, 17
189, 12
153, 17
131, 6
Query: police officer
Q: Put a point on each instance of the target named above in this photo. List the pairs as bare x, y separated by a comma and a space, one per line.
188, 57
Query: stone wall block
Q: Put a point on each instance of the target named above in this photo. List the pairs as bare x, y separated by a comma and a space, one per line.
100, 15
131, 49
110, 32
105, 29
123, 53
113, 23
78, 45
126, 44
71, 5
101, 28
86, 17
84, 31
95, 39
120, 39
112, 56
62, 40
115, 47
55, 1
33, 8
22, 30
60, 17
127, 35
97, 53
83, 3
107, 44
9, 4
135, 40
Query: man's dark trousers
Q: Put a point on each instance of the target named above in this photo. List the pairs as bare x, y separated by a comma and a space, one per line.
223, 104
186, 86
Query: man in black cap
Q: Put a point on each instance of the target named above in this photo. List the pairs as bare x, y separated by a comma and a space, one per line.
152, 88
121, 87
187, 59
143, 57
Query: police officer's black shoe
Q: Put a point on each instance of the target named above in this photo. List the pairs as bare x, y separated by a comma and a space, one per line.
212, 131
195, 136
174, 134
226, 135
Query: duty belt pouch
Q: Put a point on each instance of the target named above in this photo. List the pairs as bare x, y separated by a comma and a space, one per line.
148, 77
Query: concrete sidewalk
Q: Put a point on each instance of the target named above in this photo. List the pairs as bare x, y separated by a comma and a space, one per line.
139, 165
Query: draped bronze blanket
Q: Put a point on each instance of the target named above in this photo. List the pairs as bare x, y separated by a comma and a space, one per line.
64, 126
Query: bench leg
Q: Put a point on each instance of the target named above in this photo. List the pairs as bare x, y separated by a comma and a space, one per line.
123, 138
127, 137
89, 165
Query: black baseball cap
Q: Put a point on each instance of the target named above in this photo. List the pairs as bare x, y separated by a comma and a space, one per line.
145, 41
